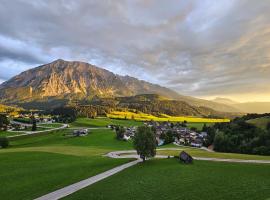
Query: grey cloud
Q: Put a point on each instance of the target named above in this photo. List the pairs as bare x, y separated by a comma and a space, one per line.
195, 47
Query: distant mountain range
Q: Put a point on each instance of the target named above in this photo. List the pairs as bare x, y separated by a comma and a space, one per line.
247, 107
61, 82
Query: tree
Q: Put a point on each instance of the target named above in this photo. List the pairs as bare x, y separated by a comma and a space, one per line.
145, 142
167, 137
4, 142
34, 123
120, 132
268, 126
204, 128
65, 114
193, 128
3, 121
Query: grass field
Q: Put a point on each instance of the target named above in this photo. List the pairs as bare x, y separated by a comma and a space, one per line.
52, 125
30, 129
36, 165
168, 179
202, 153
199, 125
7, 133
148, 117
260, 122
26, 175
103, 122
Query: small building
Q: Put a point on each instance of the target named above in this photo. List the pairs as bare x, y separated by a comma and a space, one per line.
185, 158
203, 134
160, 141
126, 137
82, 132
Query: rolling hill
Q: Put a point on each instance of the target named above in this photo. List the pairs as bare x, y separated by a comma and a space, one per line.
247, 107
60, 82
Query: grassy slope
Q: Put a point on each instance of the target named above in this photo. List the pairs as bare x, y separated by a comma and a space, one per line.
198, 125
167, 179
6, 133
53, 125
202, 153
102, 122
26, 175
260, 122
39, 164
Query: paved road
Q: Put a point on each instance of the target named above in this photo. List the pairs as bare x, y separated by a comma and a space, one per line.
82, 184
35, 132
203, 148
132, 154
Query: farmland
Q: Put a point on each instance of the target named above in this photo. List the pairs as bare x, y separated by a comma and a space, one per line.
147, 117
36, 165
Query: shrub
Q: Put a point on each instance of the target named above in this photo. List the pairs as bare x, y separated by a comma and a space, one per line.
4, 142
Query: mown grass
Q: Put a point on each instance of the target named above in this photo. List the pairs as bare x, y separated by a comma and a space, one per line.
103, 122
168, 179
50, 125
199, 125
260, 122
29, 128
147, 117
35, 165
202, 153
97, 138
6, 133
27, 175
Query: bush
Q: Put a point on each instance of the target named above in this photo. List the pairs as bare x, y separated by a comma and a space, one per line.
120, 132
4, 142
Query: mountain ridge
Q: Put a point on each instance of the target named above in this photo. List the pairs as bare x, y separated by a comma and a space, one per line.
62, 79
247, 107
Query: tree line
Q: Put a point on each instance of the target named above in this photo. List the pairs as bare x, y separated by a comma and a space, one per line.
238, 136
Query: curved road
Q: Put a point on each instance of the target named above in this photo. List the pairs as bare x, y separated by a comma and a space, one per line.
35, 132
132, 154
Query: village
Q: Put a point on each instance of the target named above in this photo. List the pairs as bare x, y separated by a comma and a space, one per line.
168, 132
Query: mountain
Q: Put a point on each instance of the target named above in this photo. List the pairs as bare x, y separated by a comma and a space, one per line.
225, 101
61, 81
64, 79
254, 107
247, 107
156, 104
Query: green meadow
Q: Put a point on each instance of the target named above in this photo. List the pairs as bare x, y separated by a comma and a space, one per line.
168, 179
35, 165
260, 122
103, 122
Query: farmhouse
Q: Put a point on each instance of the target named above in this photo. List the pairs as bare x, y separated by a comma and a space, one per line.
81, 132
185, 157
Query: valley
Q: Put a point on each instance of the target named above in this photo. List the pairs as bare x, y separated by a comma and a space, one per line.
43, 163
60, 121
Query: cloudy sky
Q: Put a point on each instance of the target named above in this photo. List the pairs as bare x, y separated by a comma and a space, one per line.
199, 48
